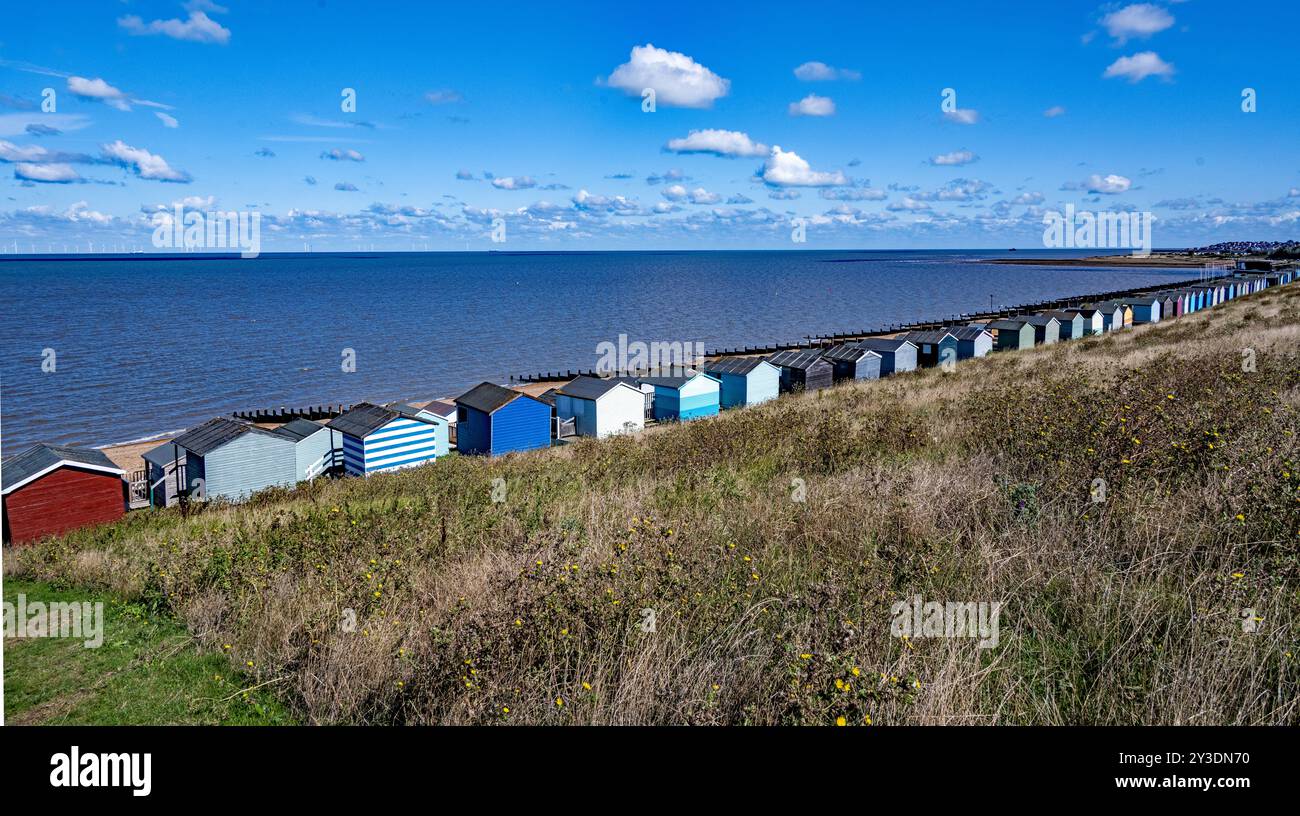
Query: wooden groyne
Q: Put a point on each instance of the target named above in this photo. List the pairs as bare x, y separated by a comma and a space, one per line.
283, 414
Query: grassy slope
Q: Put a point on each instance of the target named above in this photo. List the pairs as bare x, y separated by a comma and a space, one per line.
147, 671
972, 486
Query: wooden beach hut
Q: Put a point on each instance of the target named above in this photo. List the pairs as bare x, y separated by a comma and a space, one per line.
165, 469
232, 459
850, 362
683, 397
897, 355
803, 369
600, 407
1047, 329
1094, 321
51, 489
1145, 309
933, 346
972, 341
1168, 305
1013, 334
493, 421
1072, 324
379, 438
1112, 313
745, 380
317, 449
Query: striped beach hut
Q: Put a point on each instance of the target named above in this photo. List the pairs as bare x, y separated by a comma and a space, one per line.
1145, 309
850, 362
1013, 334
683, 397
317, 449
51, 489
493, 421
897, 355
745, 380
804, 369
1072, 324
1047, 329
600, 407
933, 346
165, 469
231, 459
972, 341
379, 438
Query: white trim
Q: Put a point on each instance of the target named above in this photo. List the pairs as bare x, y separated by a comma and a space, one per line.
11, 488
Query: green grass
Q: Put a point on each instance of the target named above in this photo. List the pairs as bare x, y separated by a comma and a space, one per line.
148, 671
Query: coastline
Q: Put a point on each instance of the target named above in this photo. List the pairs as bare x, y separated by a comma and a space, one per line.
1159, 260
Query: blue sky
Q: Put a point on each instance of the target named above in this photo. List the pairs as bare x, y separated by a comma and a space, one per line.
237, 107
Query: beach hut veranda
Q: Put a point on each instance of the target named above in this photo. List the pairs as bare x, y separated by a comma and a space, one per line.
600, 407
744, 380
492, 420
164, 468
317, 449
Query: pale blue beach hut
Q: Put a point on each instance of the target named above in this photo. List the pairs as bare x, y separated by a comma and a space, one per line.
744, 380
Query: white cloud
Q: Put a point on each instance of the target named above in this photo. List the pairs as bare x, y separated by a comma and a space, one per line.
167, 120
908, 204
514, 182
957, 157
730, 143
853, 194
677, 80
1139, 20
1139, 66
962, 116
678, 193
198, 27
1026, 199
1110, 184
338, 154
618, 205
813, 105
11, 152
787, 169
47, 173
99, 90
1054, 111
821, 72
144, 164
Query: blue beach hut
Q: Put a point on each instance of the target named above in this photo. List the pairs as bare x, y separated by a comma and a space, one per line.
492, 421
896, 354
231, 459
378, 438
692, 395
744, 380
850, 362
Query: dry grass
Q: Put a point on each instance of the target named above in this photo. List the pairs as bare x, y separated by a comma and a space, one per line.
973, 486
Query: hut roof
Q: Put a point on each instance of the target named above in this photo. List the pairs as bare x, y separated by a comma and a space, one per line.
733, 365
488, 397
442, 408
216, 432
163, 456
796, 358
935, 336
362, 419
1139, 301
967, 332
1008, 324
1041, 319
848, 353
299, 429
41, 458
588, 388
676, 381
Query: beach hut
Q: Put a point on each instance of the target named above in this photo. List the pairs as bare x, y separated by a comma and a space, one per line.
378, 438
850, 362
1145, 309
745, 380
493, 421
1013, 334
804, 369
1112, 313
686, 396
165, 470
1168, 305
1094, 320
972, 341
933, 347
232, 459
1072, 324
897, 355
317, 449
442, 409
1047, 329
51, 489
600, 407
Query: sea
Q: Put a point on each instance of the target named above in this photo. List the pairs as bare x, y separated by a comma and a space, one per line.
100, 350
